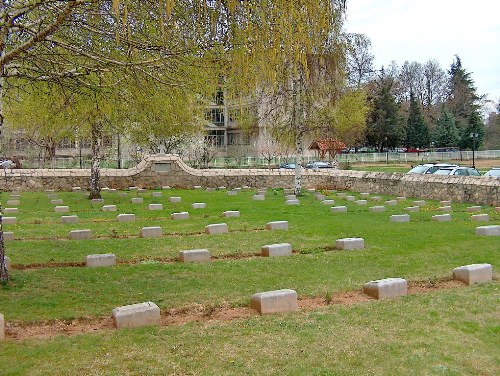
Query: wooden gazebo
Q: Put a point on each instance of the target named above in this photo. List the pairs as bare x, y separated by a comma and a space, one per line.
331, 146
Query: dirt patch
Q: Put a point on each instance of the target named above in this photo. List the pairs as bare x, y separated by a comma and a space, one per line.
18, 330
48, 265
419, 287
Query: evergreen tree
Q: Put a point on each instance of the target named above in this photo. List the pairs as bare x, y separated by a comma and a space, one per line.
446, 133
472, 134
384, 125
417, 134
463, 102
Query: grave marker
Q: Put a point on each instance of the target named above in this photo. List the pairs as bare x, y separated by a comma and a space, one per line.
151, 232
9, 220
181, 215
8, 235
473, 273
350, 243
386, 288
217, 228
80, 234
441, 218
136, 315
125, 217
277, 250
69, 219
278, 301
194, 255
338, 209
493, 230
102, 260
277, 225
480, 217
473, 209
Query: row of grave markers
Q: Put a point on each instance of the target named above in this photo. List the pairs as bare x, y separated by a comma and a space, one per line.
285, 300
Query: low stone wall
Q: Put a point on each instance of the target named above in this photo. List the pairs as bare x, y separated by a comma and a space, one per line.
162, 170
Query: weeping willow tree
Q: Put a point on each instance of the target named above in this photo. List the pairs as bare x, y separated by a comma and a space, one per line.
94, 46
289, 55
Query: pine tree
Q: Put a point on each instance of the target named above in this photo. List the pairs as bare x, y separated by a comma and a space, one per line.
472, 135
417, 134
384, 126
446, 132
463, 102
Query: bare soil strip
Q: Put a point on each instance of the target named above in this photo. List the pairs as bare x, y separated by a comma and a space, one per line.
130, 236
19, 331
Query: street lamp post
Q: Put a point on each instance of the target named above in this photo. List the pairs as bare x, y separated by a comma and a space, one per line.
473, 136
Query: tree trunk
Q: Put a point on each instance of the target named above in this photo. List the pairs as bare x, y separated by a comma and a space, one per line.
299, 133
95, 174
4, 273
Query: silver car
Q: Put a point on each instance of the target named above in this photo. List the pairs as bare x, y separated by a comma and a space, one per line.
494, 172
430, 168
459, 171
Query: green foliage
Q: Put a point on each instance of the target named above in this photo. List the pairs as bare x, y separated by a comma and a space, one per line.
472, 134
39, 114
417, 134
384, 127
346, 119
446, 132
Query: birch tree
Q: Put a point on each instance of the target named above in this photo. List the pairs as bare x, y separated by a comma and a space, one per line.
291, 50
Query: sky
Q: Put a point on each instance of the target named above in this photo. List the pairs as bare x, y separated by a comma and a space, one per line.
420, 30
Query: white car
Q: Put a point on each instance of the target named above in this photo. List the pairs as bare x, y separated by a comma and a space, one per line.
494, 172
459, 171
430, 168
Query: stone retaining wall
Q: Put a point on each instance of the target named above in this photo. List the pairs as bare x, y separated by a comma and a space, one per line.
162, 170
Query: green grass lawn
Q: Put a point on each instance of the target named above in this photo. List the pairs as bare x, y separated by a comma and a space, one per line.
395, 337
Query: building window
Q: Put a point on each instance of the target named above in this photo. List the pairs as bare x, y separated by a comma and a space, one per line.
215, 138
215, 116
238, 138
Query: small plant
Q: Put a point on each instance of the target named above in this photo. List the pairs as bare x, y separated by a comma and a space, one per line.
328, 297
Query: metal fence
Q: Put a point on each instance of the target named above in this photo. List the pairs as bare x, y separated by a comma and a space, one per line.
423, 157
259, 162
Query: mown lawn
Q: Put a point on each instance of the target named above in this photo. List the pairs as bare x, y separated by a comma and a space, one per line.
404, 336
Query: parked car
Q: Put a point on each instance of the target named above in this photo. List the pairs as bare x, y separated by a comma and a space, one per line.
318, 164
430, 168
495, 172
288, 166
459, 171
